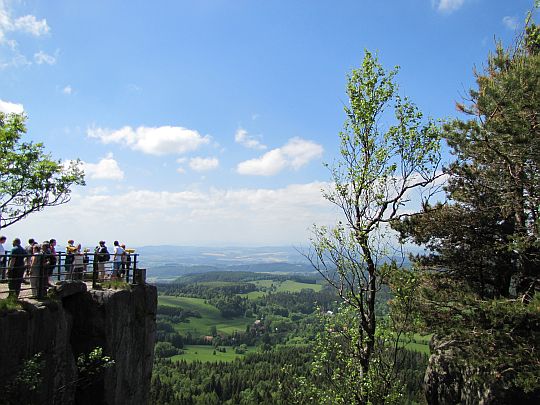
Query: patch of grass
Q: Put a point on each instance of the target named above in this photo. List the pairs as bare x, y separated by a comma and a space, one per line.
218, 283
265, 283
295, 286
280, 286
115, 285
10, 304
253, 295
210, 316
206, 354
418, 347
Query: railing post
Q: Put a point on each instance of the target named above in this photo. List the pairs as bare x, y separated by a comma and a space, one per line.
59, 265
41, 278
94, 271
134, 266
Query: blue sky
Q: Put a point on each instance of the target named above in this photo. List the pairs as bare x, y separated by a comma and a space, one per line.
207, 122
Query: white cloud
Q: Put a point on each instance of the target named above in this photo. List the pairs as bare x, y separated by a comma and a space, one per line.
31, 25
213, 216
510, 22
106, 169
200, 164
243, 138
296, 153
43, 58
448, 5
67, 90
300, 152
8, 108
26, 24
153, 140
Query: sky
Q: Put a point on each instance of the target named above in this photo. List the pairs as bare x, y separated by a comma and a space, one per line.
207, 122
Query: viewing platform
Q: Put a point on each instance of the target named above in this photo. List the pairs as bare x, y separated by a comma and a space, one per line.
42, 276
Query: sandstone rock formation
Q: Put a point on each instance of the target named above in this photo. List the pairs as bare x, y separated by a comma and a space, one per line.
76, 321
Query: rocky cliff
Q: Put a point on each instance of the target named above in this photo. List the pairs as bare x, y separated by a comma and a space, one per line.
74, 322
450, 380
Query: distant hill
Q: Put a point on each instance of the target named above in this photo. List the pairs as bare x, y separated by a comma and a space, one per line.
167, 262
245, 276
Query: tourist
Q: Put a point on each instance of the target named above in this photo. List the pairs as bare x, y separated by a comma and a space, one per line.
28, 259
78, 264
126, 258
52, 260
35, 268
3, 257
103, 257
117, 259
16, 268
70, 256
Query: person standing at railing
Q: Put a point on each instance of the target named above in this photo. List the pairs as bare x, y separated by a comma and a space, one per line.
78, 264
28, 260
102, 256
117, 259
124, 260
3, 257
35, 268
52, 260
16, 268
70, 256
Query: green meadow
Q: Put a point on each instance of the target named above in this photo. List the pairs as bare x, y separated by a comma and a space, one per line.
210, 316
279, 286
207, 354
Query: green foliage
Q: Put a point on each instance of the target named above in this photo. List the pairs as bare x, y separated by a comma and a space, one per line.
165, 349
25, 384
115, 285
480, 278
92, 365
253, 379
380, 167
30, 179
9, 304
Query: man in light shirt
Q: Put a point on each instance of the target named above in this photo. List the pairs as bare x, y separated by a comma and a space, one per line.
117, 259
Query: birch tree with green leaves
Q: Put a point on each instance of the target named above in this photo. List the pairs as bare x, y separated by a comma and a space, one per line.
30, 179
388, 153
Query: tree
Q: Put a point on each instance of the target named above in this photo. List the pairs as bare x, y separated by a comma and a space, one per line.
483, 268
381, 166
493, 187
30, 179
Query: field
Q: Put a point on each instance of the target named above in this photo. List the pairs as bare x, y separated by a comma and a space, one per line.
206, 354
420, 343
279, 286
210, 316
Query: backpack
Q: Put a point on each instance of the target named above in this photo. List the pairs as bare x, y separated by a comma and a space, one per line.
106, 255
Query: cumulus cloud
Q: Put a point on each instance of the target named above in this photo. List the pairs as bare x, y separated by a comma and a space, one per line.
31, 25
200, 164
67, 90
448, 6
243, 138
8, 24
152, 140
43, 58
194, 216
297, 152
11, 108
106, 169
510, 22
